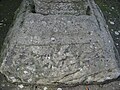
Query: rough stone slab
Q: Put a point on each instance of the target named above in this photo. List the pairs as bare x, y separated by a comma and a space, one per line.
64, 7
59, 49
67, 1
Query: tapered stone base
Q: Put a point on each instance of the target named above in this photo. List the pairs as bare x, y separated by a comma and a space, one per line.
59, 49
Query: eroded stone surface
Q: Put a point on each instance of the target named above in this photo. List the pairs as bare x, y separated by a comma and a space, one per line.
65, 49
61, 7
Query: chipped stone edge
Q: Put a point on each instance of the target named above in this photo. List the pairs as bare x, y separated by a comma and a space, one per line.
97, 12
24, 8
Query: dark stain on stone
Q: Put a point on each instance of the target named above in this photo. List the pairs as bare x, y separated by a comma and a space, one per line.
88, 11
22, 56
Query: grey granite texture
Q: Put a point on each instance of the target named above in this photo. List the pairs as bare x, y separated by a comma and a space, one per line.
61, 7
59, 49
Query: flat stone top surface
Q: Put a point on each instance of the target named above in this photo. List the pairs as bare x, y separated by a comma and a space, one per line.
55, 29
67, 1
64, 7
59, 49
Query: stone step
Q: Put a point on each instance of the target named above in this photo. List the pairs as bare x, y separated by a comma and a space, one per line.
61, 7
64, 1
59, 49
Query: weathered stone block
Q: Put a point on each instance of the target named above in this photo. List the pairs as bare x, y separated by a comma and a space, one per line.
61, 7
60, 49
